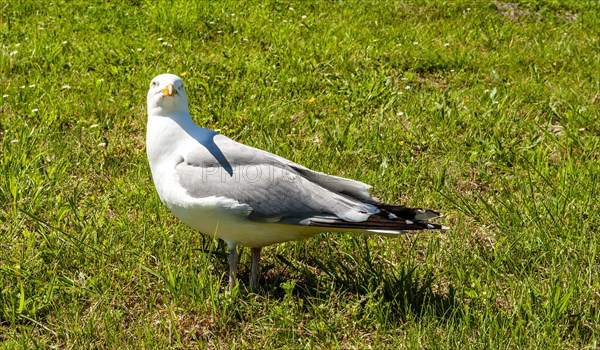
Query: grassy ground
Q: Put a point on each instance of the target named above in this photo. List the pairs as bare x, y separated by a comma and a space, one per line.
487, 112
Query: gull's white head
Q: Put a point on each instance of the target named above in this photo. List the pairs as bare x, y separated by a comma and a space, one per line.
166, 95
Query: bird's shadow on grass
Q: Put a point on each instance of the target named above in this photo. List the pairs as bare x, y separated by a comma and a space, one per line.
407, 290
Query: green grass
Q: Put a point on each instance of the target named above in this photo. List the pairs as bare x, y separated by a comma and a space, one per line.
487, 112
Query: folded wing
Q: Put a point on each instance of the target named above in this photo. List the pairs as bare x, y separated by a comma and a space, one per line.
281, 191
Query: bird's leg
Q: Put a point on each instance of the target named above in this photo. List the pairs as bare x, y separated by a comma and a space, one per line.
255, 261
233, 263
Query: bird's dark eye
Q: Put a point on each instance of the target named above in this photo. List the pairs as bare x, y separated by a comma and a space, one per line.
154, 83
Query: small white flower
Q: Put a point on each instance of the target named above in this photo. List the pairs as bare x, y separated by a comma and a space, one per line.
139, 49
407, 87
446, 44
65, 42
451, 70
102, 144
34, 110
17, 44
303, 17
14, 141
399, 114
12, 53
93, 126
32, 85
5, 95
291, 9
245, 39
22, 87
165, 43
233, 14
415, 43
159, 39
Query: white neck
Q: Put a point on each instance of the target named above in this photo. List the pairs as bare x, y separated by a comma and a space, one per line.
165, 134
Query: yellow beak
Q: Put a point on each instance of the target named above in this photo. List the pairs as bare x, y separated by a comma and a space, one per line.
168, 90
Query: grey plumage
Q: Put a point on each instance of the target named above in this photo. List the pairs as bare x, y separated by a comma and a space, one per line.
281, 191
272, 187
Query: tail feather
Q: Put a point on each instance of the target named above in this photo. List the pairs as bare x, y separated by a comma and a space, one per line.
390, 219
375, 223
408, 213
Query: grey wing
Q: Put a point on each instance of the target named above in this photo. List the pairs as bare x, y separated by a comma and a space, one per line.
272, 192
238, 153
263, 181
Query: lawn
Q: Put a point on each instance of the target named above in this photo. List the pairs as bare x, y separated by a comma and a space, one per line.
485, 111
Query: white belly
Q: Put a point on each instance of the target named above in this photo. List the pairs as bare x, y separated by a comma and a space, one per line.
229, 224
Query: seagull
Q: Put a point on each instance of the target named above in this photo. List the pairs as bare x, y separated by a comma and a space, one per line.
249, 197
